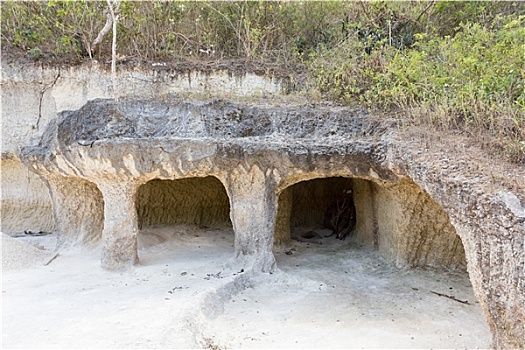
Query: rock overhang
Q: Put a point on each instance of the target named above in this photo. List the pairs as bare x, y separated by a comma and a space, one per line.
212, 136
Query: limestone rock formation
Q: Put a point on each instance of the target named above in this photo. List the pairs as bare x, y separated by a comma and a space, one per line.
267, 169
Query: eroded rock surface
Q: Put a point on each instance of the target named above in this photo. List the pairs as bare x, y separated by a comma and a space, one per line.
413, 208
250, 149
490, 227
26, 206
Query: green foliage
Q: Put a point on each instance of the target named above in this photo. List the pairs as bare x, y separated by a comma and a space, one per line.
476, 79
447, 16
56, 28
344, 73
274, 31
475, 65
461, 63
35, 53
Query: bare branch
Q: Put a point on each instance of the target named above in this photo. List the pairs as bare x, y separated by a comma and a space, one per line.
431, 3
103, 32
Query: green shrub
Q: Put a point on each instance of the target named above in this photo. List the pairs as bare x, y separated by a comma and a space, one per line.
35, 53
476, 79
264, 30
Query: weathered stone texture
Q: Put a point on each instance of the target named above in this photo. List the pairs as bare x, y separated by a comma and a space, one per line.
120, 224
30, 92
399, 219
491, 232
78, 209
413, 229
33, 94
410, 205
195, 201
282, 234
367, 230
25, 200
253, 214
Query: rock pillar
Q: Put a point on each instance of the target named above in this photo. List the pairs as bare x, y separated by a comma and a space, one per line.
120, 225
253, 213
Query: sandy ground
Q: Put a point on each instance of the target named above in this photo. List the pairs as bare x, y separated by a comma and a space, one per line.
185, 295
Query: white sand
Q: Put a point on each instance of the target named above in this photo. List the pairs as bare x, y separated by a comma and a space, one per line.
20, 254
182, 296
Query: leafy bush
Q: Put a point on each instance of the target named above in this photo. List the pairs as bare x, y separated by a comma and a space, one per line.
476, 79
56, 28
274, 31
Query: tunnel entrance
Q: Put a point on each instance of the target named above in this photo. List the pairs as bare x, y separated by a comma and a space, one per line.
184, 215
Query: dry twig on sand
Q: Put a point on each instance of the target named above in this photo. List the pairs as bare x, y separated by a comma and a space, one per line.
451, 297
53, 258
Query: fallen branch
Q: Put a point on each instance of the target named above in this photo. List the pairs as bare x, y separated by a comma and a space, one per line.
451, 297
53, 258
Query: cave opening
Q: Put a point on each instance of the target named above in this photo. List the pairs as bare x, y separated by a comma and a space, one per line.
402, 261
398, 220
311, 211
193, 213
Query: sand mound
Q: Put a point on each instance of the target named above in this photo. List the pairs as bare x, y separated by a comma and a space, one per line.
17, 254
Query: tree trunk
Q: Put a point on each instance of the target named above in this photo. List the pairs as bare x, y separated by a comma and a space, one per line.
113, 9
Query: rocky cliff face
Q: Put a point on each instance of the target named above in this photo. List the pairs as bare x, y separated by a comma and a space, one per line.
491, 223
32, 95
113, 167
